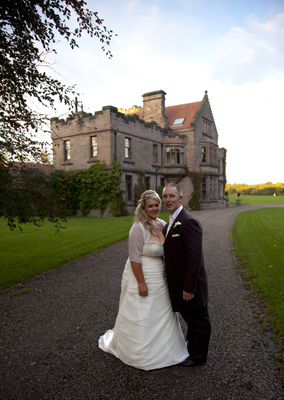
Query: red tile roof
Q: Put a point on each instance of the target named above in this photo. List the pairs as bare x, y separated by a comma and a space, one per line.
186, 111
46, 168
139, 113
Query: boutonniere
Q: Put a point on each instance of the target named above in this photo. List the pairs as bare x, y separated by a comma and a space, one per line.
174, 227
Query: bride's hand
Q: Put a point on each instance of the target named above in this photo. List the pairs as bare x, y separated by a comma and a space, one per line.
143, 290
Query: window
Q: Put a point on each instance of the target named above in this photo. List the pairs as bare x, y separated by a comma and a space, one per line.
203, 189
128, 182
207, 128
174, 155
127, 148
155, 153
147, 182
214, 189
180, 155
170, 155
94, 146
178, 121
203, 154
163, 182
213, 186
67, 150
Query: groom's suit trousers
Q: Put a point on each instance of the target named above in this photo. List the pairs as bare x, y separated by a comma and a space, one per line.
198, 333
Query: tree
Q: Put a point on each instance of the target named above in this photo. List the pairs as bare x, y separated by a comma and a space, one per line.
28, 31
45, 157
29, 196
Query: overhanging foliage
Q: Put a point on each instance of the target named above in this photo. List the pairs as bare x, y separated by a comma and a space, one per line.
27, 34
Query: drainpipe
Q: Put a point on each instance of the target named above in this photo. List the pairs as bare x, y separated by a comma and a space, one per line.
160, 166
115, 133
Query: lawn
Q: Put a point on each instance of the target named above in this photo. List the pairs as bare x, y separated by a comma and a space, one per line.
36, 250
258, 237
257, 199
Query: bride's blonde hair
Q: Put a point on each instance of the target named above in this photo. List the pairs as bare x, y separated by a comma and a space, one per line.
140, 213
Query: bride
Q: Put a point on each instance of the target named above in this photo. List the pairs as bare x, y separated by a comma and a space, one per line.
147, 333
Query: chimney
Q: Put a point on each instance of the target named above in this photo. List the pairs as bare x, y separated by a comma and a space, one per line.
154, 108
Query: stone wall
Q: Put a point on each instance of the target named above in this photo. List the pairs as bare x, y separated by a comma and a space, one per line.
154, 108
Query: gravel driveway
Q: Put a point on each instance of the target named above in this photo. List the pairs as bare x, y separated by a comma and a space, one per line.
49, 336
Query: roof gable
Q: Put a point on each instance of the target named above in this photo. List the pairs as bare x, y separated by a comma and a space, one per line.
186, 111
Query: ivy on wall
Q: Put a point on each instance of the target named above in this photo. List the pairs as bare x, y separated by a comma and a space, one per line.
98, 186
160, 191
224, 168
196, 179
118, 204
140, 187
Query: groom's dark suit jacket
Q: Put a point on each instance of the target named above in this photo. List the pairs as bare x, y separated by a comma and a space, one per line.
185, 263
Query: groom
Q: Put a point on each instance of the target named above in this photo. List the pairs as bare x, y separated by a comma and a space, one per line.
186, 274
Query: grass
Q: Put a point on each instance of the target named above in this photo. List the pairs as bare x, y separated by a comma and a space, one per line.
258, 237
257, 199
34, 251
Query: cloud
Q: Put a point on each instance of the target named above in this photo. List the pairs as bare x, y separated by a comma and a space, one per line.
247, 119
250, 54
166, 45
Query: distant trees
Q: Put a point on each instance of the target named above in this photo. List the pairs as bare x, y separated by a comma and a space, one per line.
45, 157
264, 189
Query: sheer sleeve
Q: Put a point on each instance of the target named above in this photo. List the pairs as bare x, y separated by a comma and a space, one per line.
162, 221
136, 242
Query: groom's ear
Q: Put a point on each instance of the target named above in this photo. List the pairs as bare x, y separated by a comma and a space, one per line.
180, 198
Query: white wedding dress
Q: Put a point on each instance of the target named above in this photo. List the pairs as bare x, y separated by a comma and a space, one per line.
147, 333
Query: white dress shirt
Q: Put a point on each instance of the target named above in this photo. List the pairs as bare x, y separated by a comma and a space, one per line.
173, 217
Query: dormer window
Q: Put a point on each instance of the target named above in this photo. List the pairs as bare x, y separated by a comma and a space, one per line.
178, 121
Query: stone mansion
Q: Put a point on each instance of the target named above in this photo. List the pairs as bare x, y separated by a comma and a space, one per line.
162, 141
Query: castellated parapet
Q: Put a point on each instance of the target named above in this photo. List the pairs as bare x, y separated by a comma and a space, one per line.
110, 127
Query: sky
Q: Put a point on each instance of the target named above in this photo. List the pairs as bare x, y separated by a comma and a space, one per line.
233, 49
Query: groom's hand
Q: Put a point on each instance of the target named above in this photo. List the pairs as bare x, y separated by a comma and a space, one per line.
187, 296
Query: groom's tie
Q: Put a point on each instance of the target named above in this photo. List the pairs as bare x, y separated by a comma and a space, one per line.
170, 224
